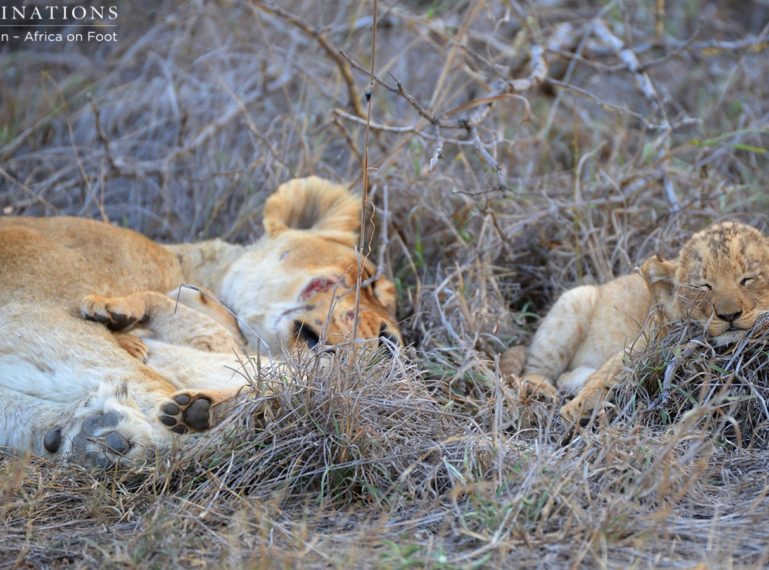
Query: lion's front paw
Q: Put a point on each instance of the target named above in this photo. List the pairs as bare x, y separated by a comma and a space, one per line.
133, 345
187, 411
571, 412
581, 408
117, 313
512, 361
535, 387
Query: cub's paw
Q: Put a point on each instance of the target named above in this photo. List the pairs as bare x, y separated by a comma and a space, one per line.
580, 410
571, 412
511, 361
535, 387
133, 345
186, 412
101, 441
117, 313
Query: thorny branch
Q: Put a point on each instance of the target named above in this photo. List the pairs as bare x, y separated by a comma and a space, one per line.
468, 123
628, 58
325, 44
603, 50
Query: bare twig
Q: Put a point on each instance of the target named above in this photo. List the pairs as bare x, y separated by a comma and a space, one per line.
100, 133
509, 88
438, 152
472, 130
374, 126
352, 92
34, 195
364, 251
628, 57
607, 105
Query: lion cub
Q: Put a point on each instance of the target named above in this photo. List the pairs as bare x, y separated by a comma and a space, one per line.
720, 279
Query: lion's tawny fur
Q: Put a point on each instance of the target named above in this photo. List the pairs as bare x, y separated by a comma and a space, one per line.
58, 369
719, 279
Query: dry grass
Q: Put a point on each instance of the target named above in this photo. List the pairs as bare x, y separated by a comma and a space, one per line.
687, 383
184, 128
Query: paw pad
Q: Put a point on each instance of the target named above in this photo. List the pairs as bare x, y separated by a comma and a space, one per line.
184, 413
96, 444
52, 440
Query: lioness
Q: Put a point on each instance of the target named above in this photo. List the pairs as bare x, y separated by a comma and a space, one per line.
719, 279
69, 385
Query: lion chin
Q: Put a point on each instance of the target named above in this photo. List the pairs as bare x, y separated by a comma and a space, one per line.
724, 333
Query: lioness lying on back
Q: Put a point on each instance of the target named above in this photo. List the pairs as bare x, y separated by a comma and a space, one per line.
70, 386
719, 279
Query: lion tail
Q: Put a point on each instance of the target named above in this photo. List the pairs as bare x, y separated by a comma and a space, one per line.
313, 204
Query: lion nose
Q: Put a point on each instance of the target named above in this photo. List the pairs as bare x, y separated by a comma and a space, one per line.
729, 317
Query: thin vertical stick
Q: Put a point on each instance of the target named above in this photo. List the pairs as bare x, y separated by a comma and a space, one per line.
364, 204
659, 22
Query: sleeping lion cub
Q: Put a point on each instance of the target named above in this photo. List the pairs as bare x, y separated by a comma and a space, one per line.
720, 279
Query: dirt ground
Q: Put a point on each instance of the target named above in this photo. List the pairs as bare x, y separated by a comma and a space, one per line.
514, 150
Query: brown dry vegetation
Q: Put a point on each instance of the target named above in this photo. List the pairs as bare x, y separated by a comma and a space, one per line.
427, 460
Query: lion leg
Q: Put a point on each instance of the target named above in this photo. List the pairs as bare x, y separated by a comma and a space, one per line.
557, 341
593, 393
512, 361
68, 390
572, 381
204, 301
163, 317
74, 409
98, 429
207, 384
511, 365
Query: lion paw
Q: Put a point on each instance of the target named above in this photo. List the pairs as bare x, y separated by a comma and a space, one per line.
512, 361
187, 411
117, 313
571, 412
101, 442
535, 387
579, 410
133, 345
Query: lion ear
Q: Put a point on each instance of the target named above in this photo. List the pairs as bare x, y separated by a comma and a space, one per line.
384, 291
656, 270
659, 276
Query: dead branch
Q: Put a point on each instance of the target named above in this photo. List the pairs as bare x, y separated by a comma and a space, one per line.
628, 58
352, 92
508, 88
100, 133
438, 152
472, 130
536, 75
402, 130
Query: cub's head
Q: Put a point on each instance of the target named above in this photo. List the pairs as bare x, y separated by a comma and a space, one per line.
299, 290
720, 279
327, 309
297, 286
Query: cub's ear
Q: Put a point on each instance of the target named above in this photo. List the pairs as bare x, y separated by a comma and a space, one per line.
656, 270
659, 276
313, 204
384, 291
